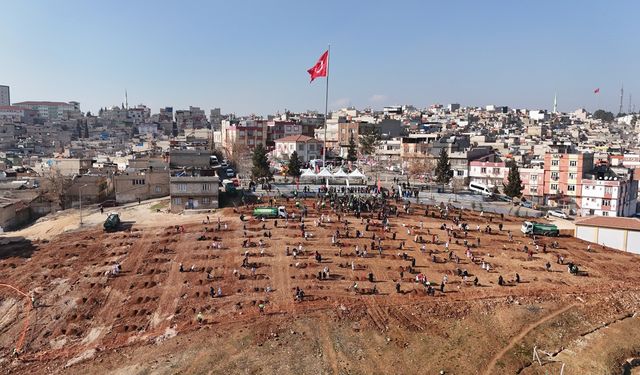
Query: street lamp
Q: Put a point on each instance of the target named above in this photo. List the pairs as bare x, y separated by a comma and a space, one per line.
80, 197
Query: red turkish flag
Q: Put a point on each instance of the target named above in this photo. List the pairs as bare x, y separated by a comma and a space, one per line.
320, 69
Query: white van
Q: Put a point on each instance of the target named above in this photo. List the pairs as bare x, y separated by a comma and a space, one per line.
480, 188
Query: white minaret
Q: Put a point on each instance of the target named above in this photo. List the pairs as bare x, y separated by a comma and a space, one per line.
555, 103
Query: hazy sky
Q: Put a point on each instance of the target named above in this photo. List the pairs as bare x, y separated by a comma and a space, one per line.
252, 56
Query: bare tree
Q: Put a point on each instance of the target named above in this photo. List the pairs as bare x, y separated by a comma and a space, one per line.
420, 167
54, 187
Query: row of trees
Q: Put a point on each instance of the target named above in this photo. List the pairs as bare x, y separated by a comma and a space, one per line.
443, 173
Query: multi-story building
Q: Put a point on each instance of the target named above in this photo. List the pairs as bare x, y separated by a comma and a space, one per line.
533, 184
193, 118
307, 148
50, 111
491, 174
563, 174
11, 113
245, 134
280, 129
141, 184
194, 190
5, 97
608, 196
215, 118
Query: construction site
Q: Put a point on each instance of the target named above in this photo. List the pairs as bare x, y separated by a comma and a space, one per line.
432, 291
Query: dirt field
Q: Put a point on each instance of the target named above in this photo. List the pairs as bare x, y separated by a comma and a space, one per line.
144, 320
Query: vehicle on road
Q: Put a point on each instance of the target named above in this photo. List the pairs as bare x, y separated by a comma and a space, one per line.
270, 212
480, 189
527, 204
557, 213
532, 227
108, 203
112, 223
230, 172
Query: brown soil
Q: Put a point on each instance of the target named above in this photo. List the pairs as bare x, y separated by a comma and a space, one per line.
144, 319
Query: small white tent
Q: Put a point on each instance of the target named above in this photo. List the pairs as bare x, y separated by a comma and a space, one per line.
324, 173
357, 174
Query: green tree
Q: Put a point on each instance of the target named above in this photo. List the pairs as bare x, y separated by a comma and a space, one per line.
260, 169
369, 140
513, 187
603, 115
352, 152
294, 165
443, 168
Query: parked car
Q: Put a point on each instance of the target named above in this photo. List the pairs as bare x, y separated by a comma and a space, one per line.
527, 204
557, 213
108, 203
230, 172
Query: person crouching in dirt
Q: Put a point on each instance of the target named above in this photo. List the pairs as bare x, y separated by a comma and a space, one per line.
500, 280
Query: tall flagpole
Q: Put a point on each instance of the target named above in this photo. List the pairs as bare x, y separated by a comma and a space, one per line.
326, 110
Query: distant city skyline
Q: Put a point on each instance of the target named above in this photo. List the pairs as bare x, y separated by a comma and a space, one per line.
253, 58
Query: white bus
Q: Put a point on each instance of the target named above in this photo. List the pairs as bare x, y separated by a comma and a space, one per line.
480, 188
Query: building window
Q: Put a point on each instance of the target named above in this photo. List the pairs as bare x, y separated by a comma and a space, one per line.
138, 182
177, 201
533, 189
605, 213
555, 162
534, 178
554, 175
158, 189
573, 163
554, 186
483, 170
606, 202
182, 187
607, 190
205, 200
572, 176
496, 170
571, 188
460, 173
206, 187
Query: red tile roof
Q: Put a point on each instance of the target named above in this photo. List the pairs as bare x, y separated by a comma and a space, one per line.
611, 222
296, 138
41, 103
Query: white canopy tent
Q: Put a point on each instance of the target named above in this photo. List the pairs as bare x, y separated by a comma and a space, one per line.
357, 174
308, 173
340, 174
324, 173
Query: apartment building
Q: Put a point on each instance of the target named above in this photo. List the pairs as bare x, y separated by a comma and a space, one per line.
533, 184
488, 173
563, 174
281, 129
141, 185
307, 148
50, 111
245, 134
196, 190
608, 196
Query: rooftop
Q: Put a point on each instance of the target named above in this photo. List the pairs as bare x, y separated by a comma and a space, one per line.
296, 138
611, 222
41, 103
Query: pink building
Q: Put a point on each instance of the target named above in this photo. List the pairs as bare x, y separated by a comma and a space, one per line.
533, 183
488, 173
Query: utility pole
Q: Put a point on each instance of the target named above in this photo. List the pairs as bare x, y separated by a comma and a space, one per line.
80, 197
621, 97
